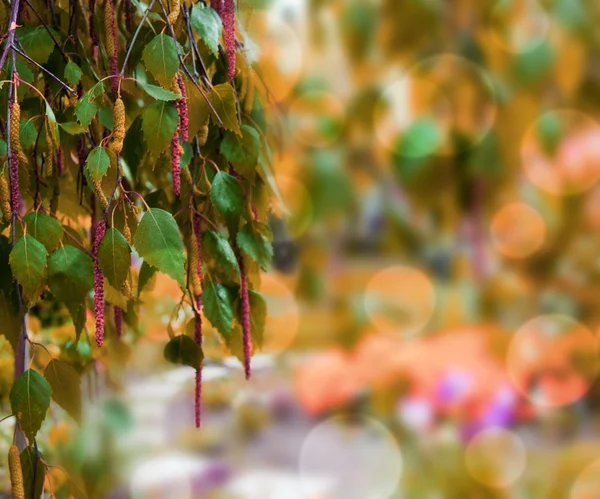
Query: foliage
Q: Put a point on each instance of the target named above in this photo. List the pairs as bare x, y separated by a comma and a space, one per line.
129, 135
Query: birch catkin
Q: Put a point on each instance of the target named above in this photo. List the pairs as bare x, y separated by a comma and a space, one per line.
182, 109
99, 284
50, 154
15, 133
176, 162
228, 18
118, 137
93, 34
110, 31
245, 309
16, 473
5, 199
196, 271
175, 8
97, 185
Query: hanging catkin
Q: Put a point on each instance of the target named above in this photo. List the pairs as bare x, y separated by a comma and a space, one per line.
99, 193
228, 18
176, 162
13, 161
16, 473
99, 284
110, 31
175, 8
119, 321
118, 136
245, 312
5, 199
93, 34
129, 15
50, 154
182, 109
196, 276
15, 134
203, 135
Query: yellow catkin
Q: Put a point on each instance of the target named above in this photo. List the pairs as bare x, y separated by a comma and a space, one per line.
118, 126
108, 29
5, 199
203, 135
100, 193
127, 232
175, 8
15, 138
126, 290
50, 155
193, 259
16, 473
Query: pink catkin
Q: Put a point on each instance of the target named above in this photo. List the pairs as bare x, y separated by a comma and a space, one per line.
217, 6
119, 321
15, 196
59, 161
198, 321
228, 17
93, 34
246, 334
129, 15
99, 284
182, 108
176, 163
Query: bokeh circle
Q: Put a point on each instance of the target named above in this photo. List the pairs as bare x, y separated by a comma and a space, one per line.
552, 360
400, 300
517, 230
495, 457
560, 152
354, 457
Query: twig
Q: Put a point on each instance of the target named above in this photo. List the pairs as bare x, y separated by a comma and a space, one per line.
185, 69
37, 14
12, 26
24, 55
134, 37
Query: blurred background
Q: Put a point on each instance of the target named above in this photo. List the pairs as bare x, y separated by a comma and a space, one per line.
435, 299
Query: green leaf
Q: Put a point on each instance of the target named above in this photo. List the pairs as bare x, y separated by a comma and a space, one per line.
28, 463
159, 243
28, 262
97, 163
146, 273
208, 26
242, 152
70, 276
160, 58
72, 127
46, 229
222, 98
66, 386
88, 105
254, 240
27, 133
158, 92
114, 257
30, 396
159, 123
227, 195
72, 73
217, 248
36, 43
3, 148
217, 306
10, 318
184, 350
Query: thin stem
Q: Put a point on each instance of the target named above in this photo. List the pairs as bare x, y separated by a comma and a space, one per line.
76, 241
185, 69
12, 26
135, 35
23, 54
37, 14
